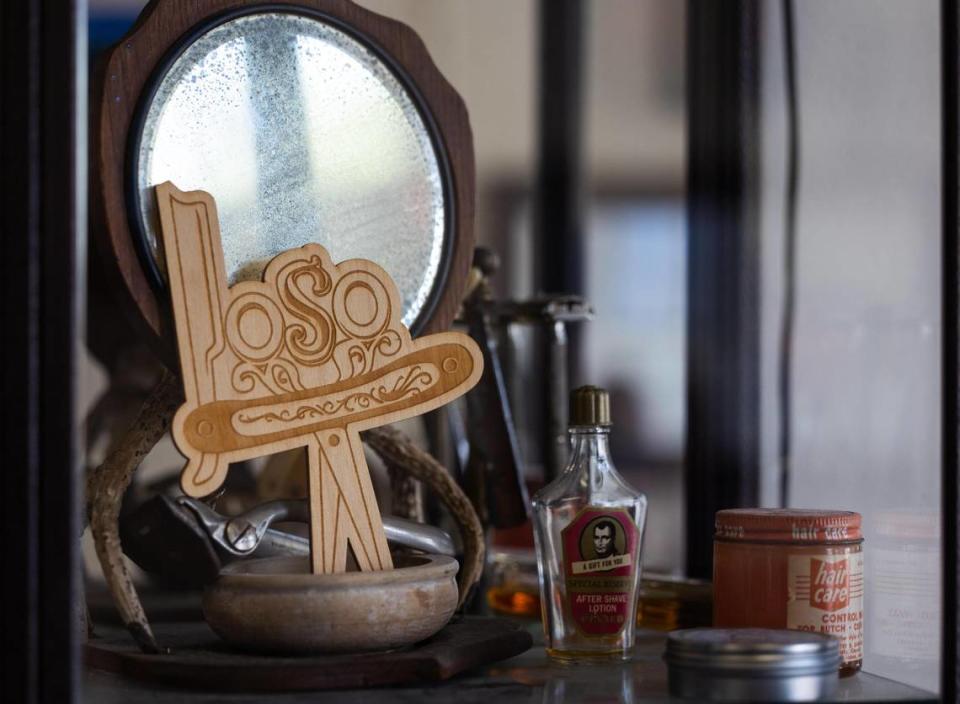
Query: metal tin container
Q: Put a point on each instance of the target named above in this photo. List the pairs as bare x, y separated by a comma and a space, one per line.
791, 568
751, 664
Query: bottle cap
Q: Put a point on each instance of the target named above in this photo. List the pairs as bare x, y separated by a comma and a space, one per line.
589, 405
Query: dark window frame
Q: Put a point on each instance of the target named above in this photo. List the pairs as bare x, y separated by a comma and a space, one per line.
41, 126
723, 268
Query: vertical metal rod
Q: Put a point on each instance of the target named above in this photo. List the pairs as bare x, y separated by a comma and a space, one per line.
559, 202
723, 355
559, 199
785, 371
555, 451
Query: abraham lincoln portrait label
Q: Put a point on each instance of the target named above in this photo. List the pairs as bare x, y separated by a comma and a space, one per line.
601, 549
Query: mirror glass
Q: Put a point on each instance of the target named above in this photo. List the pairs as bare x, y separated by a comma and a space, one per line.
301, 134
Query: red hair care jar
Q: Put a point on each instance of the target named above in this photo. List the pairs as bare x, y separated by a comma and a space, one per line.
788, 568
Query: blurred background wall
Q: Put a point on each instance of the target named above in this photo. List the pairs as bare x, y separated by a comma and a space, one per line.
865, 414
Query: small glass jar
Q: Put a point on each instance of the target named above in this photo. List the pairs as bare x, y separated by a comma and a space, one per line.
667, 603
513, 586
906, 608
786, 568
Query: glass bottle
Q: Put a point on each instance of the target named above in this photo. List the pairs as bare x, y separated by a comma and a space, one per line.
588, 528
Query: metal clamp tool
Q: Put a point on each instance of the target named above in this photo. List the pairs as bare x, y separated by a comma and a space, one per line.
251, 533
187, 541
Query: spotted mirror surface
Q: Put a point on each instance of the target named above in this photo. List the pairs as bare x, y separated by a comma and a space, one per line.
301, 134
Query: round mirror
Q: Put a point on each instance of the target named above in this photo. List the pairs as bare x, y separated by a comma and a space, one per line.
302, 133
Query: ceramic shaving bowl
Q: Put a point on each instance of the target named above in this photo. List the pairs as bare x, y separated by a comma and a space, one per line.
276, 605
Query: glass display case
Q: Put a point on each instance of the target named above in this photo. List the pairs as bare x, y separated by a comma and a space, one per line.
760, 202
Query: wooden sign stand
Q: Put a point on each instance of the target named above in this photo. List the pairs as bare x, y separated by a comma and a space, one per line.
308, 357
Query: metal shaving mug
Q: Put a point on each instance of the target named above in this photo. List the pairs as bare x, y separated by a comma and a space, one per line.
751, 664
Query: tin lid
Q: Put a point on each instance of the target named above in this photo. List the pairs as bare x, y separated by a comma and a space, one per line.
753, 651
783, 525
589, 405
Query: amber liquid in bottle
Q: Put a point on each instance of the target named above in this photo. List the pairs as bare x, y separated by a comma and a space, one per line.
588, 529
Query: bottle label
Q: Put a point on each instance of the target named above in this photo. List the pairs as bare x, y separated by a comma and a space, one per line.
825, 594
601, 551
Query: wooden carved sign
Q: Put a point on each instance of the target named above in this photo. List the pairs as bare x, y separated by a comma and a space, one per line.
309, 356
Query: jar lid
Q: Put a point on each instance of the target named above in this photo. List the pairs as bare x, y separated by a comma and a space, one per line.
753, 651
782, 525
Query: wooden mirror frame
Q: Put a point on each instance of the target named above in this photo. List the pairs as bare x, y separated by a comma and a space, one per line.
129, 71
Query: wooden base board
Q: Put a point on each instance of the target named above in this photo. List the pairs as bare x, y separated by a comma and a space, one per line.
200, 660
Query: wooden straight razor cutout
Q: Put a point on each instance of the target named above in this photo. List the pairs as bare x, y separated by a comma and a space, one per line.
309, 356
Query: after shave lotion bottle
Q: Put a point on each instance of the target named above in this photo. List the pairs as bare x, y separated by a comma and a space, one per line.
588, 526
